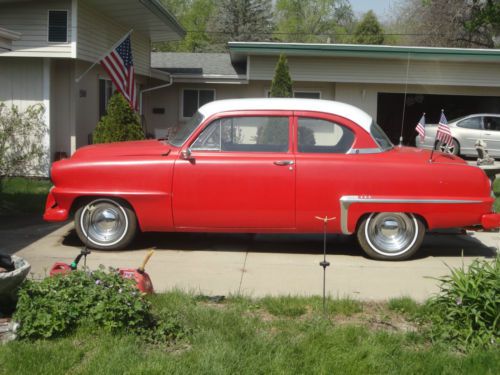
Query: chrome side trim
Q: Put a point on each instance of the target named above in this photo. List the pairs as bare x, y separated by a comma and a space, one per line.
365, 151
347, 200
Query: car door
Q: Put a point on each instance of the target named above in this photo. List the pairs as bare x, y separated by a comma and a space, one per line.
325, 170
241, 175
467, 132
492, 134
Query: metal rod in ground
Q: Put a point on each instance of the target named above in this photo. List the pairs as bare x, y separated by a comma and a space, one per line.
324, 263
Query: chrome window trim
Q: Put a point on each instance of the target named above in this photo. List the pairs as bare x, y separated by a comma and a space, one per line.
364, 151
347, 200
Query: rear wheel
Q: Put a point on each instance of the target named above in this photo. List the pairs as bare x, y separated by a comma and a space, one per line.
453, 148
106, 224
391, 235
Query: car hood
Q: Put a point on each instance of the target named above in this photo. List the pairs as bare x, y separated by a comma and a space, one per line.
122, 149
413, 154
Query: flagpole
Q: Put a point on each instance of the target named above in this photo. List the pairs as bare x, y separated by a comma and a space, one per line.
437, 132
102, 56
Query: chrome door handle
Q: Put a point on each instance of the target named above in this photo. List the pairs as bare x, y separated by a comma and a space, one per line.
487, 133
284, 162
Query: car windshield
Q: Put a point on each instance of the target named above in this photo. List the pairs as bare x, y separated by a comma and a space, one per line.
185, 130
380, 137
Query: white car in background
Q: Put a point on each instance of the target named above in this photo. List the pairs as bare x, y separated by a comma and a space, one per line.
466, 131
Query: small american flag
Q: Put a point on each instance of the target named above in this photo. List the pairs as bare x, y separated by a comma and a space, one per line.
421, 127
120, 66
444, 132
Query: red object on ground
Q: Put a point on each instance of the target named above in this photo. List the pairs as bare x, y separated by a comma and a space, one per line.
60, 268
142, 279
490, 221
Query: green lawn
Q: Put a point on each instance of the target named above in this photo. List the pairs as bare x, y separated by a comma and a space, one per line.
496, 191
20, 195
285, 335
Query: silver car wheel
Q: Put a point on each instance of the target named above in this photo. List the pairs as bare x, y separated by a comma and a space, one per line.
391, 234
103, 222
449, 149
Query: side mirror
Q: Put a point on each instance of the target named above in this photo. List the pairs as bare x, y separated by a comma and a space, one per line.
186, 154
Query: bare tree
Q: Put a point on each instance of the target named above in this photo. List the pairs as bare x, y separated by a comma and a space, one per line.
445, 23
241, 20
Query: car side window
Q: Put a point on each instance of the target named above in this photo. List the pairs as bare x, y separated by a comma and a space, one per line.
323, 136
492, 123
471, 123
249, 134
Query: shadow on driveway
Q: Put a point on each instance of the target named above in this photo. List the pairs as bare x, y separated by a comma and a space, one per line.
17, 232
440, 244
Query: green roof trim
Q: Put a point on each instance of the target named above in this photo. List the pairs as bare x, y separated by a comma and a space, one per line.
237, 49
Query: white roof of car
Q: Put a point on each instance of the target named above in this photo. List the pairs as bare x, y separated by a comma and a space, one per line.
350, 112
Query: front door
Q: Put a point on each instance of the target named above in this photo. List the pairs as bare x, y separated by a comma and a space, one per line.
241, 175
492, 134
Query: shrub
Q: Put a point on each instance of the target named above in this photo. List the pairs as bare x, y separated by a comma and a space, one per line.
466, 312
58, 305
120, 123
281, 86
22, 134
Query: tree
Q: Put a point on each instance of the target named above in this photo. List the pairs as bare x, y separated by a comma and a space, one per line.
450, 23
368, 30
281, 86
241, 20
194, 16
313, 21
120, 123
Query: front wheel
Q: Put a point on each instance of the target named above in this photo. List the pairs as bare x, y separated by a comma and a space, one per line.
106, 224
390, 235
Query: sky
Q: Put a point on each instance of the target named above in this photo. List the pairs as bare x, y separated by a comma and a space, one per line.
380, 7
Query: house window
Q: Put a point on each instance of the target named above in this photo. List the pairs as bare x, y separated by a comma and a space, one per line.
193, 99
58, 26
307, 94
106, 90
301, 94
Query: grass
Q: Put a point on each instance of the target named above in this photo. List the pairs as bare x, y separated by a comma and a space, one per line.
285, 335
19, 195
496, 191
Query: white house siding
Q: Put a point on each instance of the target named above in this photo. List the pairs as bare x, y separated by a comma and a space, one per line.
97, 33
21, 81
31, 20
319, 69
170, 98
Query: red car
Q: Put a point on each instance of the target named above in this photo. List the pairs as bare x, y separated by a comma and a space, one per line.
270, 166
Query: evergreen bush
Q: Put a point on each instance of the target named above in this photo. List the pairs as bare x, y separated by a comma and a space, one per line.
282, 86
120, 123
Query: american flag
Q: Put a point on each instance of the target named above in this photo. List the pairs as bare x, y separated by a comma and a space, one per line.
444, 132
120, 66
421, 128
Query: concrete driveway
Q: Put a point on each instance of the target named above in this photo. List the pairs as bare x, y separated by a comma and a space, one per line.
258, 265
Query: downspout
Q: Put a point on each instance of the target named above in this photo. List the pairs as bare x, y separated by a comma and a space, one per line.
171, 81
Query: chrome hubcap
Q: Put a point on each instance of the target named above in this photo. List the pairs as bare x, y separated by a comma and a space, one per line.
391, 233
104, 222
450, 149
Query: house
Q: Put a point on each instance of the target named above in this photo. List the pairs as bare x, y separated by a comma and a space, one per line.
45, 45
394, 84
